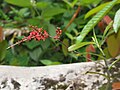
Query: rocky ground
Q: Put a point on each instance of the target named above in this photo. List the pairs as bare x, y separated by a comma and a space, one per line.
61, 77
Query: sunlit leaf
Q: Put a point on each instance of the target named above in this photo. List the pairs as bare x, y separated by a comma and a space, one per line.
88, 2
107, 29
69, 36
46, 62
67, 2
56, 63
49, 62
95, 10
116, 24
79, 45
98, 8
42, 5
22, 3
90, 25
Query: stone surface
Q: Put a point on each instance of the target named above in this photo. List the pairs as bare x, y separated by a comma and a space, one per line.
59, 77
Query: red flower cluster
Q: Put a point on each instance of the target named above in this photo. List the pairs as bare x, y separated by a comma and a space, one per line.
40, 34
37, 34
58, 33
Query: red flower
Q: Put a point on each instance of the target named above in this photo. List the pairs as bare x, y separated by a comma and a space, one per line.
58, 33
38, 34
56, 37
46, 35
32, 33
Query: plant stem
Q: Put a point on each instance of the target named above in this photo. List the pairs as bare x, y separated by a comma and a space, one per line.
108, 87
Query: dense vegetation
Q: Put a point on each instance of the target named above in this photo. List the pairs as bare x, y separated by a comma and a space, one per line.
90, 31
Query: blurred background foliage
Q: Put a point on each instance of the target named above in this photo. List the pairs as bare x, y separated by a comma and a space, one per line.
70, 15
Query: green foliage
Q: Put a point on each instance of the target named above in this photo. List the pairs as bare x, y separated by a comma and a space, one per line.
3, 46
113, 45
79, 45
50, 14
35, 54
71, 4
31, 46
22, 3
98, 8
116, 24
88, 2
49, 62
65, 45
42, 5
90, 25
107, 29
95, 10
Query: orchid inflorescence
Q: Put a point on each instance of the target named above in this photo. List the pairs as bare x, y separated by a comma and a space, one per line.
38, 34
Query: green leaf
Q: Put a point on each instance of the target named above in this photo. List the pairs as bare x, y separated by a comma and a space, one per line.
21, 3
35, 54
107, 29
69, 35
88, 2
107, 54
3, 46
71, 4
113, 45
56, 63
42, 5
23, 12
118, 36
14, 62
50, 12
51, 29
116, 24
79, 45
95, 10
98, 74
90, 25
67, 2
98, 8
45, 44
65, 46
113, 63
23, 60
30, 44
34, 21
49, 62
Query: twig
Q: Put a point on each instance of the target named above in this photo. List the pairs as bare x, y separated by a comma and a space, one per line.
72, 19
23, 40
